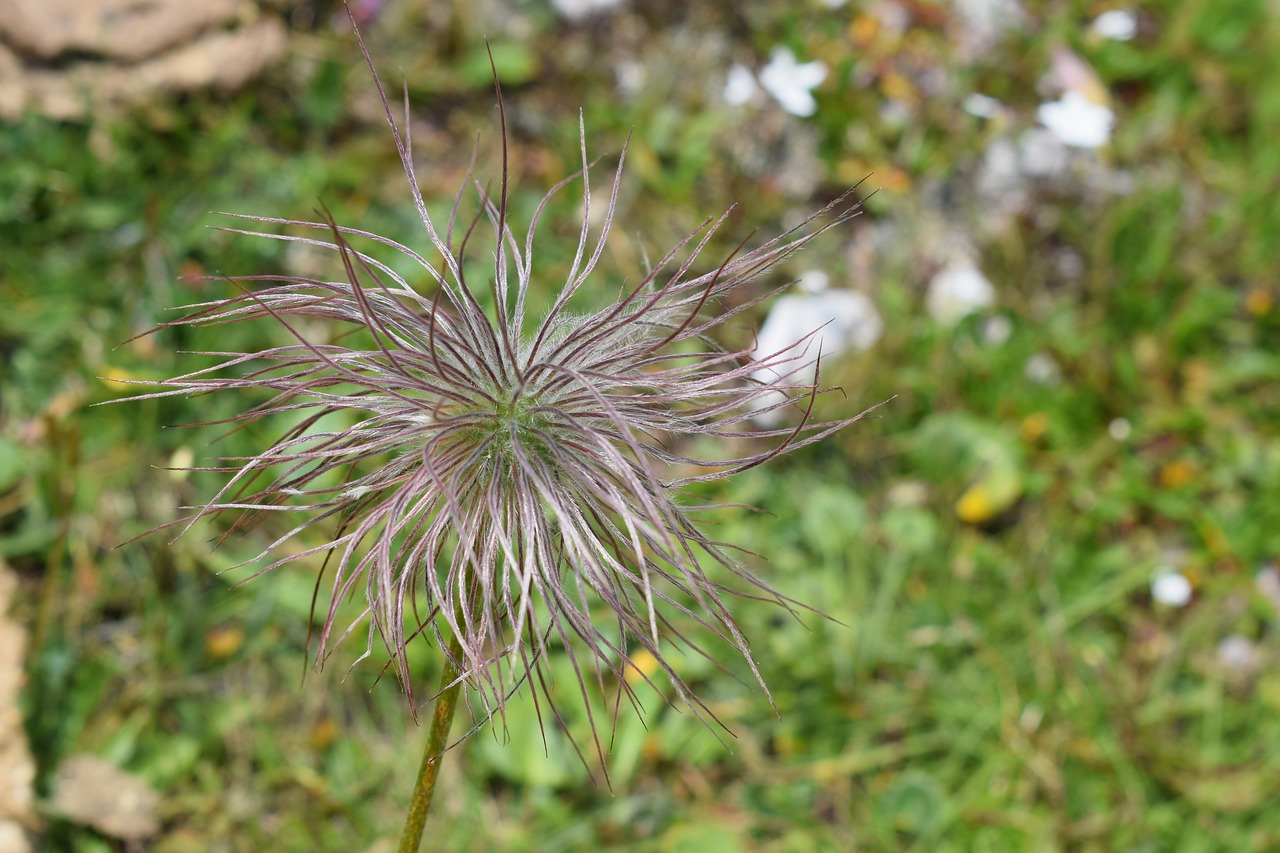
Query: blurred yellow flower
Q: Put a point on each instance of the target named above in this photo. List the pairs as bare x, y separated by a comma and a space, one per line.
990, 497
1177, 474
643, 666
222, 642
1259, 301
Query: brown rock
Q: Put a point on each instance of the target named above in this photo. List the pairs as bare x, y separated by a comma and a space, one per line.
120, 52
93, 791
17, 769
121, 29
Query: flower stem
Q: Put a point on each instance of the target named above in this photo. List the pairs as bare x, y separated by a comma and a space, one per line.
437, 740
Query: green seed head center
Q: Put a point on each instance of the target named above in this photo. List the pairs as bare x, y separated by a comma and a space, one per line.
516, 423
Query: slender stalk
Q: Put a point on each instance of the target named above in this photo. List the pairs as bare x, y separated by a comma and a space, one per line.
437, 740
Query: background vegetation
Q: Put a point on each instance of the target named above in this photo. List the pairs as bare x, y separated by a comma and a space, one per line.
998, 678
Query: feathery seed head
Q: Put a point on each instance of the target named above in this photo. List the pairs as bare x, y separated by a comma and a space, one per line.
506, 482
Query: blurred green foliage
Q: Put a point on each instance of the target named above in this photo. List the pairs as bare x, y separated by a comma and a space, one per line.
1003, 683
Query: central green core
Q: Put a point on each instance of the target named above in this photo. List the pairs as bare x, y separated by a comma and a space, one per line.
515, 414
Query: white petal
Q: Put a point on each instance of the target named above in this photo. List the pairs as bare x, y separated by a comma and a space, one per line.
1238, 654
798, 102
576, 10
810, 74
813, 281
789, 82
982, 106
1077, 121
740, 87
1171, 588
1120, 429
847, 321
958, 290
1042, 369
997, 330
1118, 25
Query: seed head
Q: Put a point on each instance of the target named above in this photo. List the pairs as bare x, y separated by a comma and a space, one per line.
508, 483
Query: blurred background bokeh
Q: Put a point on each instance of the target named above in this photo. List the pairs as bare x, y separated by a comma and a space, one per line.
1049, 561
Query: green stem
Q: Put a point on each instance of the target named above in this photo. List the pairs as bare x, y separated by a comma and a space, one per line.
437, 740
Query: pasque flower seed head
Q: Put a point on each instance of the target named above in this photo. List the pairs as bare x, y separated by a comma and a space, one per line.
509, 482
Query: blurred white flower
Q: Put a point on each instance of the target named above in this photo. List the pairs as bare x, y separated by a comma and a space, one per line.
1171, 588
1118, 25
959, 289
1120, 429
740, 87
630, 76
791, 82
982, 106
997, 330
813, 281
980, 24
1077, 121
1238, 654
1268, 584
1042, 369
576, 10
844, 320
